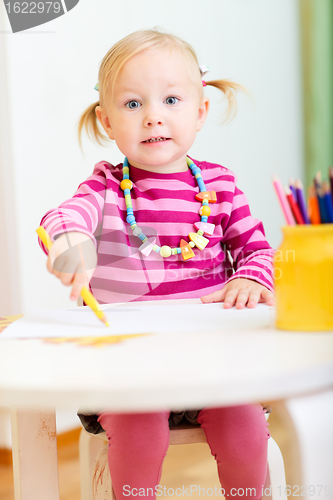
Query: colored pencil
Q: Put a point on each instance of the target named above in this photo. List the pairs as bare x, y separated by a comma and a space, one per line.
314, 213
87, 296
322, 209
293, 188
330, 173
300, 198
320, 195
328, 202
294, 207
283, 201
317, 183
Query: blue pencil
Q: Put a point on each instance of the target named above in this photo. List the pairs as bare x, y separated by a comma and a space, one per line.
322, 209
328, 202
320, 196
330, 173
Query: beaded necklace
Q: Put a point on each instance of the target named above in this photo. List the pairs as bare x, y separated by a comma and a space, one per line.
196, 239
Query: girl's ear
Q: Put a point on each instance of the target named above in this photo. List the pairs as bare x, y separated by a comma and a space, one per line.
104, 121
203, 111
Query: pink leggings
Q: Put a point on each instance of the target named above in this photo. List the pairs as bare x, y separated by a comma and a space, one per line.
237, 437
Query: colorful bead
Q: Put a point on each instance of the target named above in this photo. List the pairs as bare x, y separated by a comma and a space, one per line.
206, 228
196, 239
126, 184
128, 201
210, 196
147, 247
201, 184
130, 218
199, 241
186, 250
165, 251
204, 210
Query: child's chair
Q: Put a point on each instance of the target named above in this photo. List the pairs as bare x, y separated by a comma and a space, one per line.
95, 476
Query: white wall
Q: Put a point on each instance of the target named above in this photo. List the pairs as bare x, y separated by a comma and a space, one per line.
9, 273
51, 73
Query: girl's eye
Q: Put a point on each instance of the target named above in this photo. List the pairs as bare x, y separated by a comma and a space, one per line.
171, 100
133, 104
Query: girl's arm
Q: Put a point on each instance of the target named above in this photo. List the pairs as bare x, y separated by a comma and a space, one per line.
72, 259
252, 258
83, 212
73, 227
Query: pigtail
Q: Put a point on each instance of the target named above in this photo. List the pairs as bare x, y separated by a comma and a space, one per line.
89, 123
229, 89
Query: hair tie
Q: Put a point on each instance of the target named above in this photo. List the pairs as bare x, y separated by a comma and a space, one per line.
204, 83
96, 87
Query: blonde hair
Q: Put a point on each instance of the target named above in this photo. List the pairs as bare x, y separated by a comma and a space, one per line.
124, 50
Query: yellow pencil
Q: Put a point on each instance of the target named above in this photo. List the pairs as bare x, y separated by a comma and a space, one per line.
87, 296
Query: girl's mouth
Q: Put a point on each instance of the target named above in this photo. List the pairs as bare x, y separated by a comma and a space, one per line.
156, 139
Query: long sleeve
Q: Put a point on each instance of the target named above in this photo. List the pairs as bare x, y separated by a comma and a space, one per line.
83, 212
245, 238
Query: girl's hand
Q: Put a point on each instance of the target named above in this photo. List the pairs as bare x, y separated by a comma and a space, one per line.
72, 259
241, 292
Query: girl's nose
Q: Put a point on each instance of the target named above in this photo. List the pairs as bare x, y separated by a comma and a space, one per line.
153, 117
151, 122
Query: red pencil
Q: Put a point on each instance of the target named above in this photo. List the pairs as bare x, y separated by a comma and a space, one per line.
294, 207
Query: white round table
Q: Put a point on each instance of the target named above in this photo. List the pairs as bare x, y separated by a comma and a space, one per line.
183, 368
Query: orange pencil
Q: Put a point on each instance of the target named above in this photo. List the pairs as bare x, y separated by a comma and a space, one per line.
314, 213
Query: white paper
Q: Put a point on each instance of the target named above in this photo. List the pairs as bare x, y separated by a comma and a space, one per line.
136, 319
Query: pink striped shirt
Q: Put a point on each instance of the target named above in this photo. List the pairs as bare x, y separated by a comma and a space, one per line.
164, 207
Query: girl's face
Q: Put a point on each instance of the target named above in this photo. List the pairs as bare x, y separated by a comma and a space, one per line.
156, 110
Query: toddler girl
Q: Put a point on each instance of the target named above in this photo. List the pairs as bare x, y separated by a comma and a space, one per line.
160, 226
